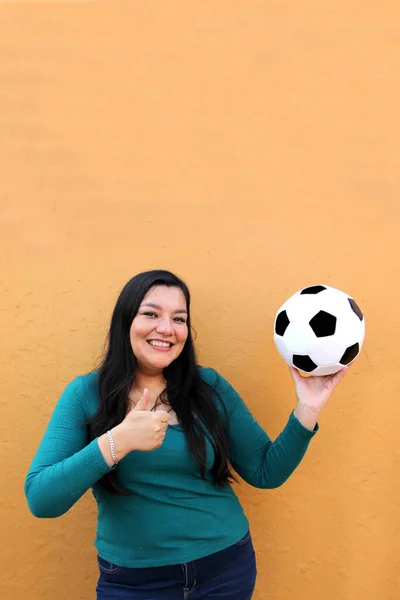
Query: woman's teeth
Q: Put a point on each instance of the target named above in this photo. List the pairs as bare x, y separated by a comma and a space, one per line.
161, 344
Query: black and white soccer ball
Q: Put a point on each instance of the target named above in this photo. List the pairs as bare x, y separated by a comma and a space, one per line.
319, 330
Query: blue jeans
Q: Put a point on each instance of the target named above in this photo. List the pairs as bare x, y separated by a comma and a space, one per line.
226, 575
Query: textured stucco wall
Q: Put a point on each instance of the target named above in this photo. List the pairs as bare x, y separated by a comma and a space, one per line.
253, 147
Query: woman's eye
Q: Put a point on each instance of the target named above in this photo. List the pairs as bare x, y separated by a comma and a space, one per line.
153, 314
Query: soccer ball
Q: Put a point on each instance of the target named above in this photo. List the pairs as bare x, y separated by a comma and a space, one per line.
319, 330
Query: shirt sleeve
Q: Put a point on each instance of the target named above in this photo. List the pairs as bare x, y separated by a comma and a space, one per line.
261, 462
65, 465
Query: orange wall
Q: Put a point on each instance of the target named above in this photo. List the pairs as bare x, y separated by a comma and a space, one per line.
253, 148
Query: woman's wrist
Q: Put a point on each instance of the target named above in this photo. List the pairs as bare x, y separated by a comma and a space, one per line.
307, 417
120, 446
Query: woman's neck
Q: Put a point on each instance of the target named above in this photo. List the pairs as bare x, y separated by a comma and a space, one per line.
150, 381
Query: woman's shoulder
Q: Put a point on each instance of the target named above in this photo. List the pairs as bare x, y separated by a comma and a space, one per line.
224, 393
208, 375
214, 378
83, 383
83, 390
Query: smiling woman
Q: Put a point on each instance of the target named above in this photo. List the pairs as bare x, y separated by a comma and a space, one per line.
157, 338
156, 437
158, 335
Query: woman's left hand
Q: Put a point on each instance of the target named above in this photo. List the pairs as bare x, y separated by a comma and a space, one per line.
312, 394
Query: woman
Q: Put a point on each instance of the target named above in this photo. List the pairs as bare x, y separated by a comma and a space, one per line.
156, 438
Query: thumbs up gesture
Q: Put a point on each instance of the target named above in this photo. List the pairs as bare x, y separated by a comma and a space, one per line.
145, 429
140, 430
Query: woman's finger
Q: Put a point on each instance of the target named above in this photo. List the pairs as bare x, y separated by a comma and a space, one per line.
339, 376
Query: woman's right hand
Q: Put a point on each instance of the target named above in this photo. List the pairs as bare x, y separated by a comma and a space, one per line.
144, 429
141, 429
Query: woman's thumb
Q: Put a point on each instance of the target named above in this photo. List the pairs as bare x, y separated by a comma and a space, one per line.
144, 400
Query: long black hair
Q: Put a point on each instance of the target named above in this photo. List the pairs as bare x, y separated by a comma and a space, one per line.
188, 395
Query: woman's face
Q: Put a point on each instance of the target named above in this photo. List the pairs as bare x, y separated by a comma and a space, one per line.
159, 330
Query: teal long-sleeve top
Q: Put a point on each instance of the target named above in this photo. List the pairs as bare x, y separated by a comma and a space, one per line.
173, 516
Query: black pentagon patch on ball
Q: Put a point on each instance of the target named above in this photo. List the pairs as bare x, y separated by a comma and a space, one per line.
282, 322
304, 363
350, 354
313, 289
356, 308
323, 324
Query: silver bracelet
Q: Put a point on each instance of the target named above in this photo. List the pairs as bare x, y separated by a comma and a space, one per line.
110, 437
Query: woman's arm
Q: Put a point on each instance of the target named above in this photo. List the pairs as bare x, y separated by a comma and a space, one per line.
65, 465
261, 462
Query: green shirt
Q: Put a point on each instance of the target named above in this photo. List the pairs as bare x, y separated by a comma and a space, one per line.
173, 515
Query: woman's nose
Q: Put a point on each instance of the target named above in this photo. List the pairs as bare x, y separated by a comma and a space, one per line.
164, 326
